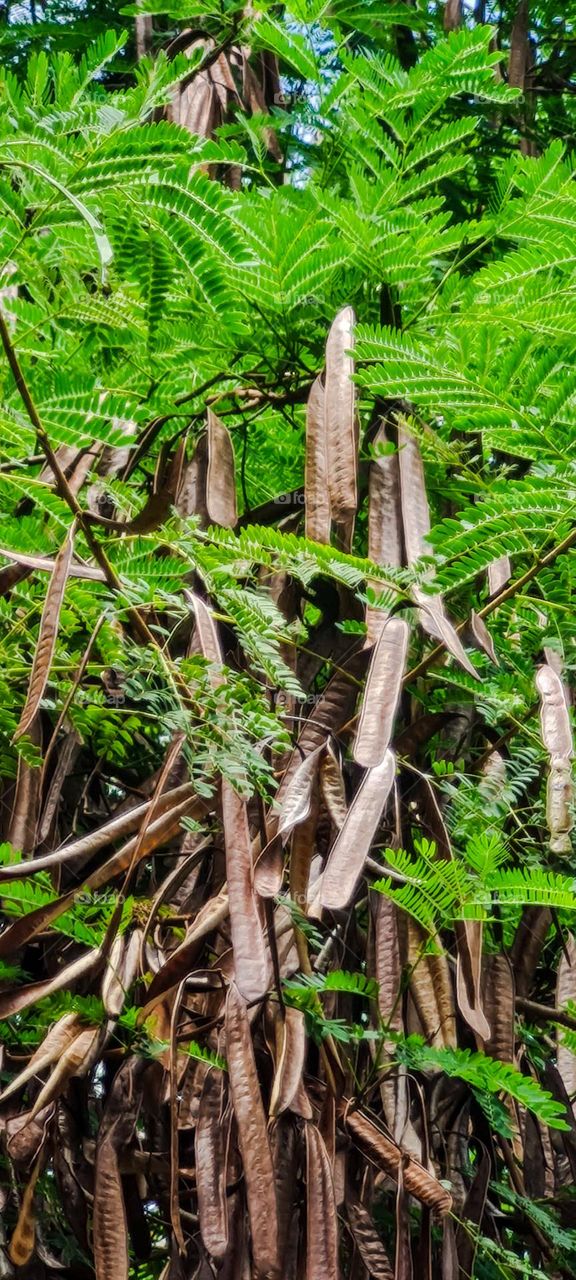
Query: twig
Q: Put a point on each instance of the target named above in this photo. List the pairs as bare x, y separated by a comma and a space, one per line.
546, 1013
502, 596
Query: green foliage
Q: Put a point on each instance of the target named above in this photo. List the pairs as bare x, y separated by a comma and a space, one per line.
485, 1075
146, 273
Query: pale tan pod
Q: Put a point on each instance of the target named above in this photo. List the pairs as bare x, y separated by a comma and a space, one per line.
48, 633
76, 1060
416, 524
297, 797
340, 418
120, 972
317, 501
557, 739
385, 539
221, 477
565, 992
499, 573
385, 545
382, 693
352, 845
482, 637
56, 1040
554, 716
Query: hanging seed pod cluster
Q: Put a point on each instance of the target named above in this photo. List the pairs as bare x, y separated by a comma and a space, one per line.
288, 1052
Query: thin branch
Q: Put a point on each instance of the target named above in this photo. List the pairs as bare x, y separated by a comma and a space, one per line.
507, 592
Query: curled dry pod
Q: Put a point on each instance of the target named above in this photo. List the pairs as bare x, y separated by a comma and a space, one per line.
416, 523
333, 708
291, 1035
297, 796
352, 845
498, 1001
76, 1060
156, 510
340, 418
431, 988
23, 1238
389, 1156
55, 1042
221, 475
557, 739
382, 693
181, 961
48, 633
317, 514
565, 992
98, 839
469, 935
367, 1240
252, 1137
321, 1214
121, 971
332, 787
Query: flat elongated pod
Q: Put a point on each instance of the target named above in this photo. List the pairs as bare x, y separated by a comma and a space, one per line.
317, 510
382, 693
367, 1241
416, 525
565, 992
252, 1137
210, 1142
49, 624
321, 1216
352, 845
221, 474
290, 1065
431, 988
250, 951
557, 739
340, 418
